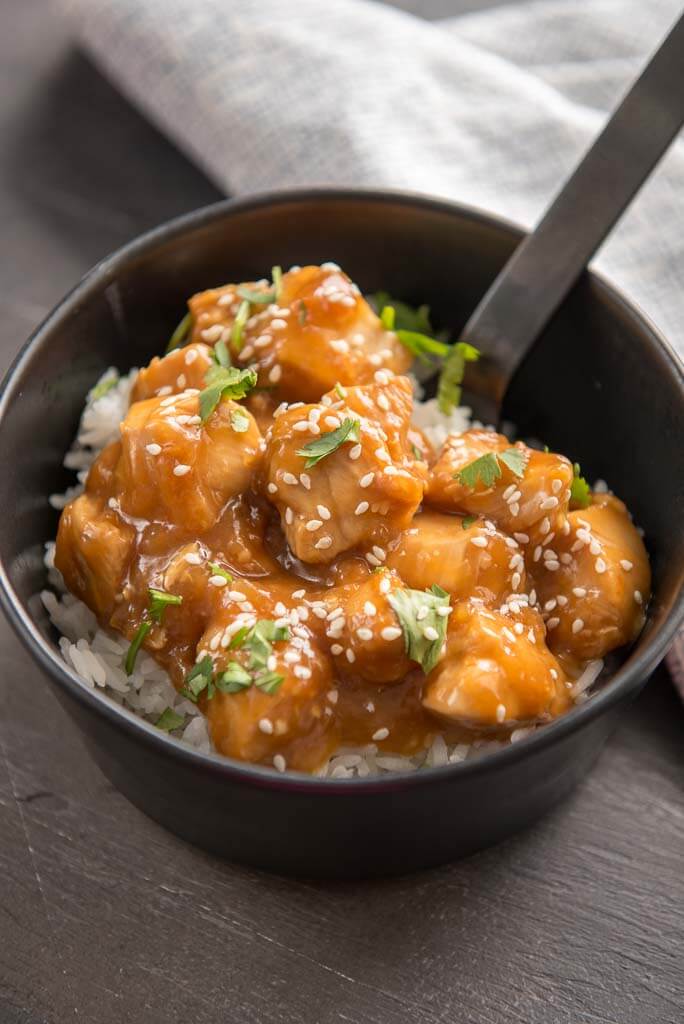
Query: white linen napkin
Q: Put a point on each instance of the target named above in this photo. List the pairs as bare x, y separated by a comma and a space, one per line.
492, 109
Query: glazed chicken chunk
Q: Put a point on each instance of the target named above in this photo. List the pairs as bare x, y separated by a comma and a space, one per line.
169, 375
529, 496
593, 581
174, 467
497, 669
464, 559
319, 332
364, 490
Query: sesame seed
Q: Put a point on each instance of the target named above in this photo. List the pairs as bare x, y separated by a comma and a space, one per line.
562, 600
537, 553
305, 480
291, 479
595, 547
522, 538
479, 542
313, 525
302, 672
509, 491
275, 374
548, 503
266, 725
302, 425
550, 605
279, 762
381, 734
362, 507
552, 564
323, 511
218, 581
430, 633
383, 403
381, 454
350, 656
336, 649
637, 597
444, 610
556, 486
236, 595
518, 629
289, 516
364, 633
514, 509
600, 566
180, 469
391, 633
323, 543
501, 712
626, 564
545, 525
272, 489
515, 580
192, 559
577, 625
579, 591
355, 452
384, 585
298, 594
552, 623
153, 449
332, 696
339, 345
332, 421
379, 552
166, 390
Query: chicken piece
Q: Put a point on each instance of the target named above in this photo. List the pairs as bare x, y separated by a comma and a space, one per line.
363, 631
93, 549
477, 560
363, 492
594, 581
175, 469
262, 406
291, 724
497, 669
169, 375
532, 505
320, 332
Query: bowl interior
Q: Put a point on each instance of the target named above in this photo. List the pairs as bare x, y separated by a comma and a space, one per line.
599, 386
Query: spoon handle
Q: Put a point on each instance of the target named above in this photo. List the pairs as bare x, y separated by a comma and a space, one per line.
543, 268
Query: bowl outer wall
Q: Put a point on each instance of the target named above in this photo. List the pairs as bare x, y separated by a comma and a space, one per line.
423, 250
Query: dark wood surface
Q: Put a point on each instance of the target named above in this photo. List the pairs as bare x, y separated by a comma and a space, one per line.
105, 918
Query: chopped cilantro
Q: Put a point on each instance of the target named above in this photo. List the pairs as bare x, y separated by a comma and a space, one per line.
451, 377
198, 679
218, 570
238, 638
468, 522
580, 493
269, 682
487, 469
180, 334
169, 720
237, 329
303, 313
234, 679
142, 631
239, 421
224, 383
256, 298
422, 346
277, 276
417, 454
423, 637
103, 386
328, 443
259, 640
388, 317
406, 318
159, 601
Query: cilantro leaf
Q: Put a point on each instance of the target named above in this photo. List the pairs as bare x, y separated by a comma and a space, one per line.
328, 443
218, 570
198, 679
259, 640
406, 318
180, 333
103, 387
468, 522
241, 318
159, 600
239, 421
516, 460
388, 316
136, 643
487, 469
234, 679
169, 720
224, 383
580, 493
303, 313
422, 346
423, 637
451, 377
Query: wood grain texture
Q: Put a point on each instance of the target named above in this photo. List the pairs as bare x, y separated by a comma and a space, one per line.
107, 919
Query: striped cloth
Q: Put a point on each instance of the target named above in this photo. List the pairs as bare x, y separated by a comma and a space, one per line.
492, 108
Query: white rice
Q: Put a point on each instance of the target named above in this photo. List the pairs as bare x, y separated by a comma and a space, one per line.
97, 654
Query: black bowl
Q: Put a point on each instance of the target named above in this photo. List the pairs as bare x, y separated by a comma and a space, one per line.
601, 386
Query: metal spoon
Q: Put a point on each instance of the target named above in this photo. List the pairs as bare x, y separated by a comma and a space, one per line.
544, 267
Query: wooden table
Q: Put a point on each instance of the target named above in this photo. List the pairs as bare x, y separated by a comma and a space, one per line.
105, 918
